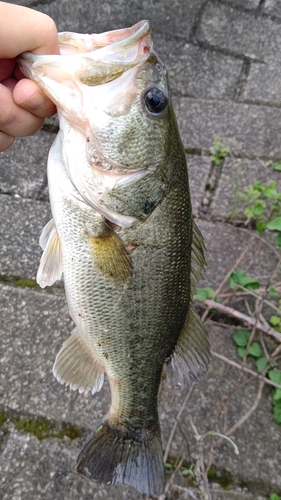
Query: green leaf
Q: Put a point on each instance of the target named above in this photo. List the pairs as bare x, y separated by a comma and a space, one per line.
274, 496
278, 240
275, 376
249, 213
259, 207
255, 350
241, 352
261, 226
241, 338
277, 166
168, 466
240, 277
270, 192
204, 293
261, 363
275, 224
275, 320
277, 394
272, 292
277, 403
277, 418
186, 472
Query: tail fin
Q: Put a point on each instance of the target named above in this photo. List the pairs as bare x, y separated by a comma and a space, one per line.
111, 456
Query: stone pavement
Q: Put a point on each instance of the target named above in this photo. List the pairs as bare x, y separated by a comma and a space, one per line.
224, 61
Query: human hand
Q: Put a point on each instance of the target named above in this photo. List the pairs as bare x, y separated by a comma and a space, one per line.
23, 105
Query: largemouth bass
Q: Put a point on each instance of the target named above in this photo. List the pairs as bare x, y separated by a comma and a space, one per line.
124, 238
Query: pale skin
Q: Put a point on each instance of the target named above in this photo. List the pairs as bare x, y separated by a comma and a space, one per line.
23, 105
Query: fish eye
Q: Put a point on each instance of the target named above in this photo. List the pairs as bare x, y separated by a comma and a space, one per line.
155, 101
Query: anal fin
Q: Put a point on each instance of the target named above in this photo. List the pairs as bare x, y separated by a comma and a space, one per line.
76, 366
110, 256
50, 268
192, 352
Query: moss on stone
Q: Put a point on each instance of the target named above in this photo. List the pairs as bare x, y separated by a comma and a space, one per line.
3, 418
43, 428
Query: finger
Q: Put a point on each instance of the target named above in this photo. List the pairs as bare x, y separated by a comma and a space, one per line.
27, 95
5, 141
7, 67
35, 32
14, 120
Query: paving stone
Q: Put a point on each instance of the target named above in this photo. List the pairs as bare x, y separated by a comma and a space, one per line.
21, 223
198, 72
203, 407
247, 4
226, 243
228, 28
263, 85
23, 166
176, 18
33, 327
236, 175
272, 7
44, 470
245, 129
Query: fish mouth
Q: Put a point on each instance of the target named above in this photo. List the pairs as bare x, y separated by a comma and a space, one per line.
126, 47
110, 42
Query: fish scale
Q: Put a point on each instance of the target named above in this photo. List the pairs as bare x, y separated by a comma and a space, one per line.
124, 238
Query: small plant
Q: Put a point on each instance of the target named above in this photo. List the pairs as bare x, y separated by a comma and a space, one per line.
264, 205
241, 339
274, 497
218, 152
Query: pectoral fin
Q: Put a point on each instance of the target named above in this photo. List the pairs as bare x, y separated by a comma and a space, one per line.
192, 352
77, 367
50, 268
110, 256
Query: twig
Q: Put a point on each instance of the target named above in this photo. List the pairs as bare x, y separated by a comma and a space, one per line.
226, 278
171, 437
249, 412
170, 482
245, 369
277, 350
211, 304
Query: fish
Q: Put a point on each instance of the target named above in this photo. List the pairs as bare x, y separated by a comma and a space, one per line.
123, 237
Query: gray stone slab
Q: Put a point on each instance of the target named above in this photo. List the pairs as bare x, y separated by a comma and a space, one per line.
176, 18
23, 167
198, 72
263, 84
245, 129
198, 171
236, 175
21, 222
225, 243
228, 28
272, 7
259, 476
246, 4
33, 327
44, 470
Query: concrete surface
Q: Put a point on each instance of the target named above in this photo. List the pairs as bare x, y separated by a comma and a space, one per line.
224, 64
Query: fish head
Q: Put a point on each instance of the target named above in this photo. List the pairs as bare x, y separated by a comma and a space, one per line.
129, 119
113, 88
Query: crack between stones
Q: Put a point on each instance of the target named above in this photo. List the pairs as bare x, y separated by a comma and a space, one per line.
210, 189
242, 80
